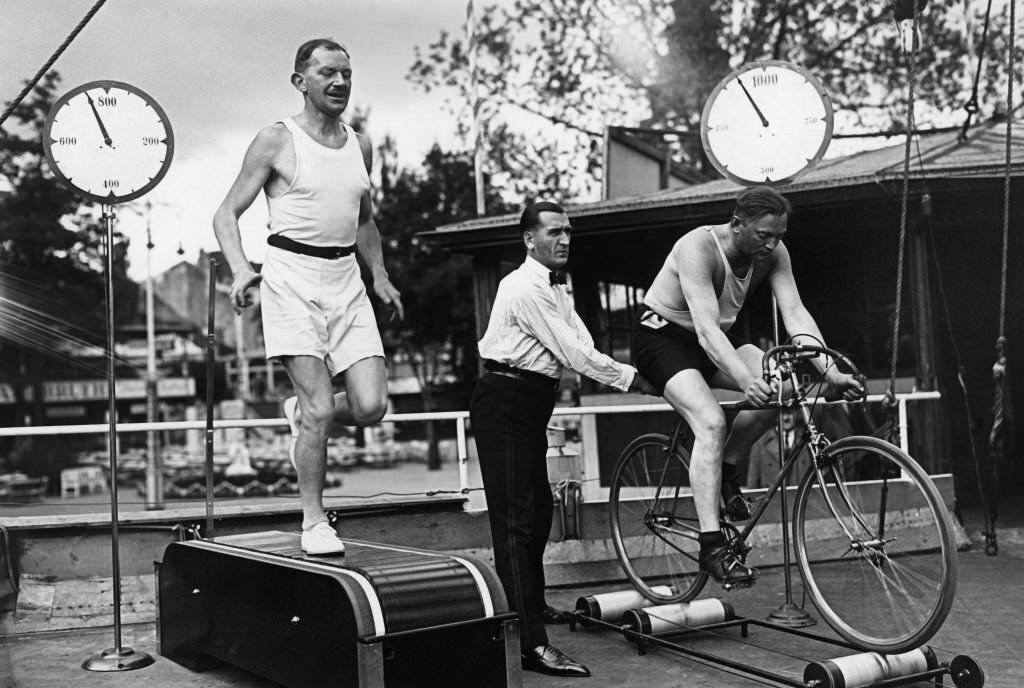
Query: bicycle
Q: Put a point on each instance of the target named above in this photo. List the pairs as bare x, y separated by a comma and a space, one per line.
873, 540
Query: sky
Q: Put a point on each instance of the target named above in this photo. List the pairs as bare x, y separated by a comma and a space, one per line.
220, 69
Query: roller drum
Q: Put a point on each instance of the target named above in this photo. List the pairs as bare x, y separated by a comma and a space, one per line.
610, 606
669, 618
868, 668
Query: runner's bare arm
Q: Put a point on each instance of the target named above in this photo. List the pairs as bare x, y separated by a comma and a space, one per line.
368, 242
257, 168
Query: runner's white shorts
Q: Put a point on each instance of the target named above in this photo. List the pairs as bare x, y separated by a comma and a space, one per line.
317, 307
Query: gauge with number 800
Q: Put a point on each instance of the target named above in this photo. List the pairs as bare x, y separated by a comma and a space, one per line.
108, 140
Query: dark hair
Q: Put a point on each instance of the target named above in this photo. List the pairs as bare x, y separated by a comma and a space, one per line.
305, 50
530, 219
758, 201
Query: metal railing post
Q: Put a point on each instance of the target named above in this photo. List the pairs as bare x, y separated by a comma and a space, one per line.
462, 449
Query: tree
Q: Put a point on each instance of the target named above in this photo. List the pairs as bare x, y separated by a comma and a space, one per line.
51, 260
438, 335
582, 65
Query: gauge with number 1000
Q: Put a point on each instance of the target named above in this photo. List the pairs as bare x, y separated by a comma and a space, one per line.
108, 140
766, 122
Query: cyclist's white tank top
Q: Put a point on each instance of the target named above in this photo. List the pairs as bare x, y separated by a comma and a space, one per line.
321, 205
665, 297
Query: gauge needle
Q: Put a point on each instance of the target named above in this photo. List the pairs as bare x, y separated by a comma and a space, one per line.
764, 122
103, 129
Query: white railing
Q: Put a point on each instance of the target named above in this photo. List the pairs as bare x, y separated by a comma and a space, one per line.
459, 417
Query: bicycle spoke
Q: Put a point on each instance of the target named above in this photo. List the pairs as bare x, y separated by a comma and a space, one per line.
875, 551
652, 533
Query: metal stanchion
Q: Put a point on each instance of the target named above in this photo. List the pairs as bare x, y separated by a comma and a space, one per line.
788, 613
211, 344
117, 658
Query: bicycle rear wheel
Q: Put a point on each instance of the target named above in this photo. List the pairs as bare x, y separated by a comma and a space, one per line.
654, 526
876, 549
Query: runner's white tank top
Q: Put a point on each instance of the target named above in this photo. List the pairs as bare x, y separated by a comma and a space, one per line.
321, 205
665, 297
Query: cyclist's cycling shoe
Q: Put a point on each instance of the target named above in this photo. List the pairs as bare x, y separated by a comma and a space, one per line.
722, 564
736, 506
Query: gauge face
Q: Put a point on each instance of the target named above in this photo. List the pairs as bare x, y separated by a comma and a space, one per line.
108, 140
767, 122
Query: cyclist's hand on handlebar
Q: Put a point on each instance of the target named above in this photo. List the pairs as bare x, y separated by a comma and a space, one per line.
846, 387
758, 392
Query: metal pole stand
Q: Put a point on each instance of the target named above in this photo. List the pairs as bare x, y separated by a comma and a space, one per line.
117, 658
788, 613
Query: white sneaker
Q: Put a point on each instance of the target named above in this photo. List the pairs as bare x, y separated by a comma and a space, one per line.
290, 406
321, 539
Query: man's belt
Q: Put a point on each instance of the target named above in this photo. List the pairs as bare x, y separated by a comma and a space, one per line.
505, 369
328, 252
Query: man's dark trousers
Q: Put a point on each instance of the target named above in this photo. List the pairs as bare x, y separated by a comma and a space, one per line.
510, 417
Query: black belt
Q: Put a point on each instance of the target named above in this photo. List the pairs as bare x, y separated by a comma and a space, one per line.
505, 369
329, 252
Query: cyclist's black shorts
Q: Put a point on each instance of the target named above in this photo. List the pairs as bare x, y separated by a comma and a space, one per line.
661, 349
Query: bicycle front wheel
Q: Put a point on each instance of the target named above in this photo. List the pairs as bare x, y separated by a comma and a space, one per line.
654, 526
875, 547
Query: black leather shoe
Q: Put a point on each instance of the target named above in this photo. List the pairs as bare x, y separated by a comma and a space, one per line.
736, 506
725, 567
547, 659
556, 616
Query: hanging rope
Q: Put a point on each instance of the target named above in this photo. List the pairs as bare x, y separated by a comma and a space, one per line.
1002, 406
904, 201
1007, 168
971, 106
31, 83
476, 132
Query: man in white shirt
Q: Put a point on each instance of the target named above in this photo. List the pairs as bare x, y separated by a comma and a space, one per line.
533, 334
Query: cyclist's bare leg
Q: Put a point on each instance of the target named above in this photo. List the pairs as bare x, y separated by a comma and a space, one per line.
748, 425
691, 397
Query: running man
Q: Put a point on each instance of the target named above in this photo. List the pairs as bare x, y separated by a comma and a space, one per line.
317, 318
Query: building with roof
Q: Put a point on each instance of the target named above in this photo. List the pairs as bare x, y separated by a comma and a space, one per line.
844, 240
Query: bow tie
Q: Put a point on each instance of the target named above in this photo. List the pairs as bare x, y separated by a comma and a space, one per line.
557, 277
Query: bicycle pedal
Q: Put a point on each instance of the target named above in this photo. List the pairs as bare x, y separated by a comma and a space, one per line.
741, 584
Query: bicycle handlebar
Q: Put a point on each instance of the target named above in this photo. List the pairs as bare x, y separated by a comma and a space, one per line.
801, 352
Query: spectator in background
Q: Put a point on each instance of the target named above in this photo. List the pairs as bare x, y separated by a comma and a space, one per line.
764, 464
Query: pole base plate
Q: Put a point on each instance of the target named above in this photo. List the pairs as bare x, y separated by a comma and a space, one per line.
114, 659
788, 614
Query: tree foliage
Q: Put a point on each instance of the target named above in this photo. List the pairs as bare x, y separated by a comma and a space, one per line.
587, 64
437, 337
51, 256
438, 334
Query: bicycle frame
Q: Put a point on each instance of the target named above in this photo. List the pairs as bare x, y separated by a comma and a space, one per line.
840, 514
816, 442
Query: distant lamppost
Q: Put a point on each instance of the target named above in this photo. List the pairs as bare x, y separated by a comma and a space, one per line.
154, 465
154, 469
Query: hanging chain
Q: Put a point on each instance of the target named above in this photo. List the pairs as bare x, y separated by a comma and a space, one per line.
971, 106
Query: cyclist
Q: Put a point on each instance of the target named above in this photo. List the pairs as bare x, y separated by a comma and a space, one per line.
684, 348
